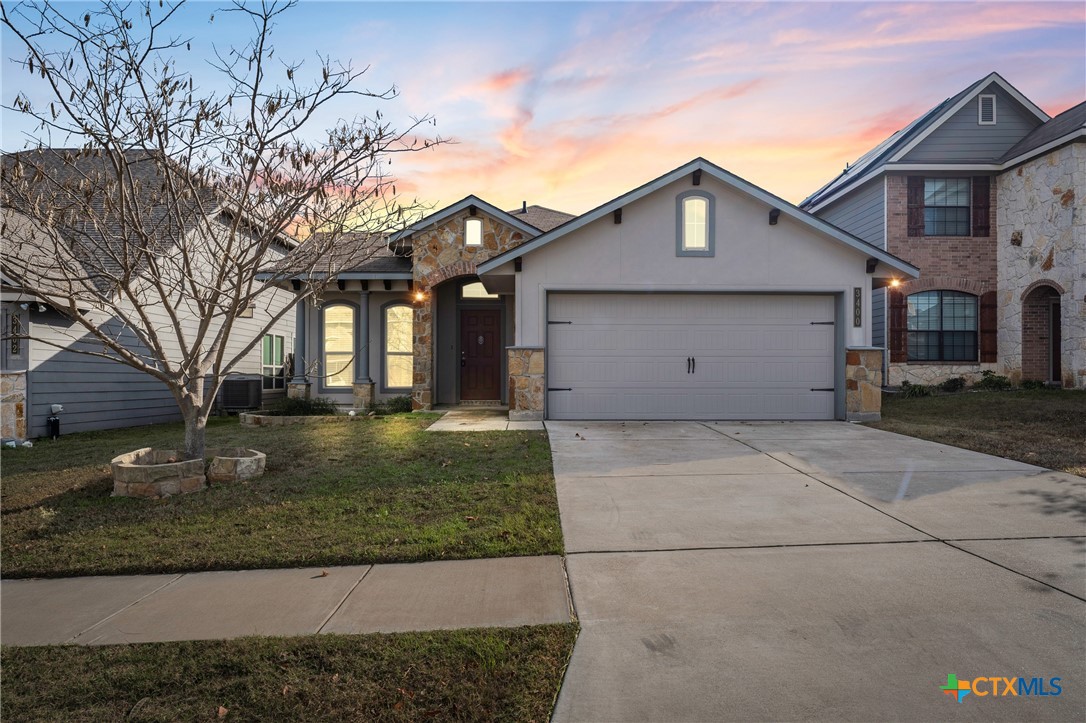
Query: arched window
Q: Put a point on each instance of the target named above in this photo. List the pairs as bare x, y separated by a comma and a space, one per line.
338, 325
473, 232
398, 336
942, 326
695, 224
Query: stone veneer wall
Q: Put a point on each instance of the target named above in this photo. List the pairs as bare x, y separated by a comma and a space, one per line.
527, 393
1041, 237
863, 384
13, 405
438, 255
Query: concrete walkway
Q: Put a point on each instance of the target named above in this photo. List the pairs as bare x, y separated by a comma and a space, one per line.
505, 592
813, 571
480, 420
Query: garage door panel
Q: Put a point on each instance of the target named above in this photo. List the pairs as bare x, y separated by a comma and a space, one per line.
625, 356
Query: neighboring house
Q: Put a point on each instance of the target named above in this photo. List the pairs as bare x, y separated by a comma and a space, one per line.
695, 296
98, 393
985, 194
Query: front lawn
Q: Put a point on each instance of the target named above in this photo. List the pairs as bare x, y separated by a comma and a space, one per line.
366, 491
1045, 427
492, 674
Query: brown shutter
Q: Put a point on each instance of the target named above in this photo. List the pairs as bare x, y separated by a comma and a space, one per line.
899, 317
982, 191
988, 322
915, 200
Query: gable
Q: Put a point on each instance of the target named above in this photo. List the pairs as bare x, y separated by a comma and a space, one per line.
440, 252
961, 139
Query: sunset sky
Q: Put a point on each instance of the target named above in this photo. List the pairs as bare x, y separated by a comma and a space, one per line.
569, 104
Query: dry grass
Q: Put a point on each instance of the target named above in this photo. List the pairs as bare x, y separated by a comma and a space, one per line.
1044, 427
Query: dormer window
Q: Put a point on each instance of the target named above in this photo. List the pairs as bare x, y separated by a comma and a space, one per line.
473, 232
695, 224
986, 110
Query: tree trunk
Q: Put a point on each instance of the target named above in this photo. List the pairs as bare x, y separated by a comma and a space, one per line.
195, 420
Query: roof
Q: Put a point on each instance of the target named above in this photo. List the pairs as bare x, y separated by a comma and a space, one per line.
723, 176
74, 186
1063, 128
437, 217
541, 217
897, 145
348, 255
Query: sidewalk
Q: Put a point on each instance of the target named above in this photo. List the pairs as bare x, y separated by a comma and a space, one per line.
481, 420
499, 592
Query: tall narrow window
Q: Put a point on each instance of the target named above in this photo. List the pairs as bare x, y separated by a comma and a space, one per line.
946, 206
942, 326
473, 232
398, 338
694, 224
271, 367
338, 345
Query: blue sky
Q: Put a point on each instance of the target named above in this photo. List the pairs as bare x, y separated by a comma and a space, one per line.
570, 104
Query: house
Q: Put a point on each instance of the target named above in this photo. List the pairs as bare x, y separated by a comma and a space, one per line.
984, 193
47, 369
695, 296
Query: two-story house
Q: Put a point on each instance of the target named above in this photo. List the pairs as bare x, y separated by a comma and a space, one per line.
984, 193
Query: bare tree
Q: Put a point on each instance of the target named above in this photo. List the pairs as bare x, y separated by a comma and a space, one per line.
177, 211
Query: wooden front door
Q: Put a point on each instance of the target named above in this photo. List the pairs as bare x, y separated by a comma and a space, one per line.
480, 354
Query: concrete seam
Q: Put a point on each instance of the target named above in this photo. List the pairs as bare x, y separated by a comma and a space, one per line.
778, 546
126, 607
569, 593
343, 600
934, 537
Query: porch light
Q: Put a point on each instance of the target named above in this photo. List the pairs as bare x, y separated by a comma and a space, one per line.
894, 283
420, 296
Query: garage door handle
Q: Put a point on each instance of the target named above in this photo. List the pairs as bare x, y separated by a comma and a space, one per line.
688, 363
693, 365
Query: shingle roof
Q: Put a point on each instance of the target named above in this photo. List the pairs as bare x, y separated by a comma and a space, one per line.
541, 217
78, 185
1064, 124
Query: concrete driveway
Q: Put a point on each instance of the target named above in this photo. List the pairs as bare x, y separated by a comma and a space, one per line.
784, 571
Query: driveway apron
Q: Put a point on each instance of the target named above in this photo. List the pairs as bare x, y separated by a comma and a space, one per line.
825, 571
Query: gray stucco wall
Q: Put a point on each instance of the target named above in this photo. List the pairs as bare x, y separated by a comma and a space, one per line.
960, 139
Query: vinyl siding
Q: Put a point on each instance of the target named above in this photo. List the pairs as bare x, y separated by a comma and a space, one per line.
878, 318
861, 213
960, 139
103, 394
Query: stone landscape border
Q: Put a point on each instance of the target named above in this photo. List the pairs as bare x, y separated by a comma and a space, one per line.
155, 473
250, 419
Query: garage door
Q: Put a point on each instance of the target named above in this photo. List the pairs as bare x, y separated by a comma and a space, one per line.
690, 356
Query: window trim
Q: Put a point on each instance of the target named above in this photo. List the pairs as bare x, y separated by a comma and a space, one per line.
382, 385
941, 357
281, 366
968, 207
322, 378
710, 224
980, 110
469, 220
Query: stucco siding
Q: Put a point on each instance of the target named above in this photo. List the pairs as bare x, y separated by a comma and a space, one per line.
960, 139
639, 254
862, 213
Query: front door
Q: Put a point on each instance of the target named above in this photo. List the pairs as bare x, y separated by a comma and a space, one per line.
480, 354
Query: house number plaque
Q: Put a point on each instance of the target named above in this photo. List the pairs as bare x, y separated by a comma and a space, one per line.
857, 306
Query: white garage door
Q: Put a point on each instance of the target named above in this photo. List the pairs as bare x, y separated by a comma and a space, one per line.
690, 356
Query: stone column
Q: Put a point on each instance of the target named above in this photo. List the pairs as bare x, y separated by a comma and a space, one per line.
526, 390
863, 384
363, 385
298, 387
423, 354
13, 405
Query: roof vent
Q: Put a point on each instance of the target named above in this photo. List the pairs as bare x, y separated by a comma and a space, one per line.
986, 110
524, 207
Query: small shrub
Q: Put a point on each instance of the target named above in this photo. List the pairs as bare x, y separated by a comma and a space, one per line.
992, 382
1033, 384
911, 391
393, 405
312, 407
954, 384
